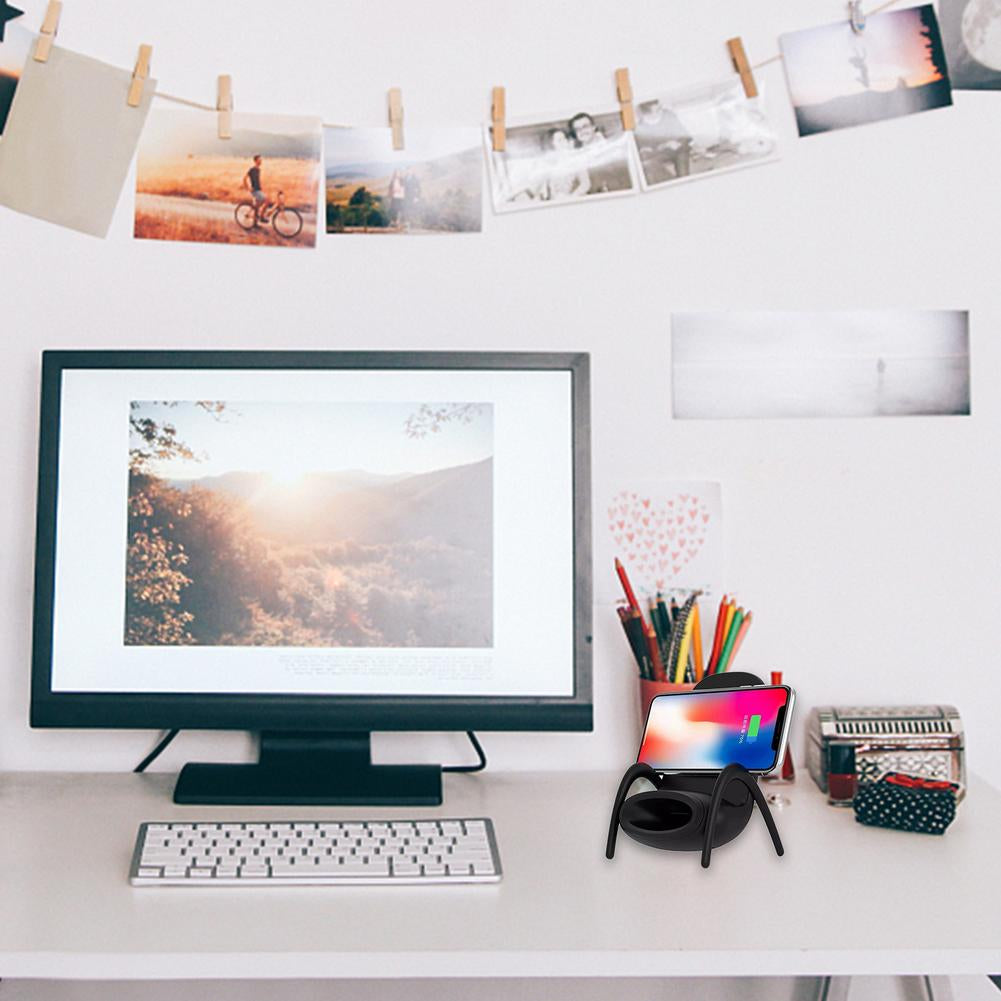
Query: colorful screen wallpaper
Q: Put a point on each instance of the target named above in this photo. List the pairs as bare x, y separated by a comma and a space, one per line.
712, 730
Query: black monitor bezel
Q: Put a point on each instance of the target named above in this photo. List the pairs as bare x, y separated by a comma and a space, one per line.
315, 712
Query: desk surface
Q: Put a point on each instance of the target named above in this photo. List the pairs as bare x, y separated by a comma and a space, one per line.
844, 899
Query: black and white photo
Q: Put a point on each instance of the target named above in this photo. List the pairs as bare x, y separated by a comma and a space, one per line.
701, 130
876, 363
561, 160
971, 31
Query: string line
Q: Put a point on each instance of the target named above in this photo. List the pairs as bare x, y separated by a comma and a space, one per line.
328, 125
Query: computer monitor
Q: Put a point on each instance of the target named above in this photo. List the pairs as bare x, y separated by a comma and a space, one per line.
313, 546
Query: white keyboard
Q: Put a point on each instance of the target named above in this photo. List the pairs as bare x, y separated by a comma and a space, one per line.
345, 853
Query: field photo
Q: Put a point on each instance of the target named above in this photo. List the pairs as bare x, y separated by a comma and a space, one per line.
14, 51
434, 185
261, 187
896, 66
310, 524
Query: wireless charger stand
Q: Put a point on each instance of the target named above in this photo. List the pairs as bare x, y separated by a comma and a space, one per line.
691, 811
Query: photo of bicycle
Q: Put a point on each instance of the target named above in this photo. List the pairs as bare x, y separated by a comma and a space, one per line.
259, 187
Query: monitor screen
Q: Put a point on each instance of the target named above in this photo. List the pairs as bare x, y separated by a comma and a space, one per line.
340, 530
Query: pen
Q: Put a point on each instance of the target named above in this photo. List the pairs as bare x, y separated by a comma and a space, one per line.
686, 638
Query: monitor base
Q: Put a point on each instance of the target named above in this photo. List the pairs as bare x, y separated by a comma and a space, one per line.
311, 770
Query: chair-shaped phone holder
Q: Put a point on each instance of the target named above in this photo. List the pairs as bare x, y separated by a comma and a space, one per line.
694, 811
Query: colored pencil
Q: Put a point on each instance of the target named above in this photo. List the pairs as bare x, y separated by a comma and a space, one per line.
686, 639
639, 639
717, 636
655, 659
744, 626
731, 638
626, 586
731, 608
697, 641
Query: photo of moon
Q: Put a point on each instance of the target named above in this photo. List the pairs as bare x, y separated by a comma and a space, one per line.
971, 34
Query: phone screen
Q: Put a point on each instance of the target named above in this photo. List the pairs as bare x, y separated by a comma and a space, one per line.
709, 730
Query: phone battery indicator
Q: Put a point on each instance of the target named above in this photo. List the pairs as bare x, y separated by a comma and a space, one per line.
753, 726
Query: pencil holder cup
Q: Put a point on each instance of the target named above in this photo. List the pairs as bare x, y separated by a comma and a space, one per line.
649, 690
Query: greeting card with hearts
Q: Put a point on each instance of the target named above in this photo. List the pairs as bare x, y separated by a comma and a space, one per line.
668, 535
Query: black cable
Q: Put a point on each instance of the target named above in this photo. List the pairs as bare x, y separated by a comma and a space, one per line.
470, 768
156, 752
464, 769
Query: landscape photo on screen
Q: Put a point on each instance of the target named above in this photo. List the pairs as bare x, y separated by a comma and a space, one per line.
839, 78
313, 524
561, 161
433, 185
260, 187
14, 51
701, 130
971, 30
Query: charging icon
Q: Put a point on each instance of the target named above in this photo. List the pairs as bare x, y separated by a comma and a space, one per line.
753, 726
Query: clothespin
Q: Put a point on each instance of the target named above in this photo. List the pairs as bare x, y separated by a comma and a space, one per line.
396, 116
857, 16
624, 89
47, 33
497, 116
139, 75
224, 105
742, 66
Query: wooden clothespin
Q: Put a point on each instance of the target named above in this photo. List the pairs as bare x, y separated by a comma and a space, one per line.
47, 33
742, 66
139, 75
856, 15
396, 116
498, 113
624, 89
224, 105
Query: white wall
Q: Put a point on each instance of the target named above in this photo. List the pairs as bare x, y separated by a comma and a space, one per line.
867, 548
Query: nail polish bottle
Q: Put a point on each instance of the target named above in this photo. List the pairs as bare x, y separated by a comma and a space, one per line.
842, 781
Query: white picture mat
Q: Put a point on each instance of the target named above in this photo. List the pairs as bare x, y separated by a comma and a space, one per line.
533, 542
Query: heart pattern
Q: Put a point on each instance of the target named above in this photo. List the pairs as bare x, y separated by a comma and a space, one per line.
657, 539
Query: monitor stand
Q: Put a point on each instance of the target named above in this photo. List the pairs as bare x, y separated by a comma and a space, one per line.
311, 769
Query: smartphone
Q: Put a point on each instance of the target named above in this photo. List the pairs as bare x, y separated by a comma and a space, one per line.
706, 731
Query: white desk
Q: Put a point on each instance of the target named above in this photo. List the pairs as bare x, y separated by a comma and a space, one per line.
844, 899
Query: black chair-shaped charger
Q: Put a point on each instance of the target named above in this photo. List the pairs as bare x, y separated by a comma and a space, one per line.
689, 812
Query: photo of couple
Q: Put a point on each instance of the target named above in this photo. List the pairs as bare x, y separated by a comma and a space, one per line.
562, 160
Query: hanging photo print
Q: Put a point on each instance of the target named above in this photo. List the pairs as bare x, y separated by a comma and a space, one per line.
434, 185
14, 51
260, 187
895, 66
971, 30
561, 160
864, 363
701, 130
69, 140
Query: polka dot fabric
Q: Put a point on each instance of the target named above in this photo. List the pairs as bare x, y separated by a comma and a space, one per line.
906, 803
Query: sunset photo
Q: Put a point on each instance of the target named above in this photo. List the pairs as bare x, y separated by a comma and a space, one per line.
14, 51
260, 187
895, 66
310, 524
